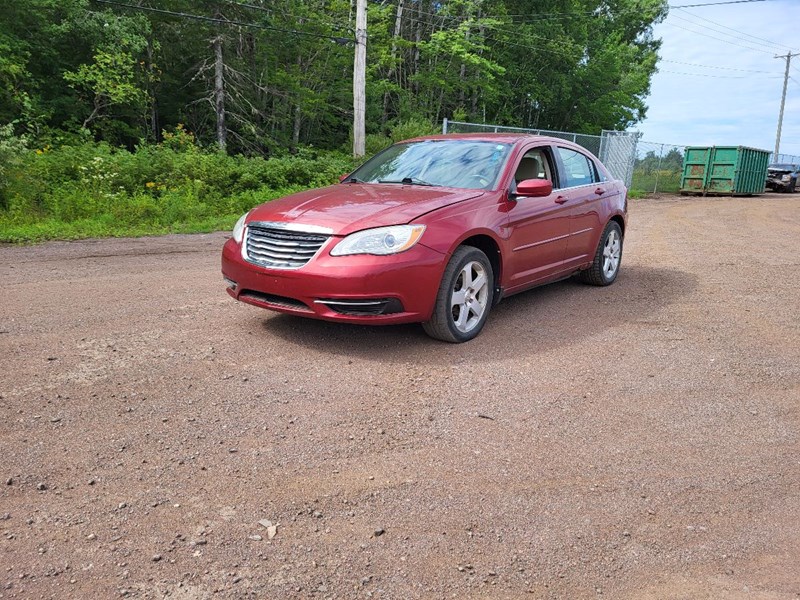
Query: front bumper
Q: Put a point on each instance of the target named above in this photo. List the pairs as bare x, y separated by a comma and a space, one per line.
377, 290
780, 185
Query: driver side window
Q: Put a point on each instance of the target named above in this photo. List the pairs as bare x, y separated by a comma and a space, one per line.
533, 165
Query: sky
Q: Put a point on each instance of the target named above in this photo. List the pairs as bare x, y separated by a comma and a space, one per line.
718, 81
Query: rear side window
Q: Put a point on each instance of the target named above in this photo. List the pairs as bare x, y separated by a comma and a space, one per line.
578, 169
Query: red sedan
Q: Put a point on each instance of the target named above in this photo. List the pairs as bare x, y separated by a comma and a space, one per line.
433, 230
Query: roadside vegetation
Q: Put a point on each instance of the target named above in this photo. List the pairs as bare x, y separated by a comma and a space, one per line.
91, 189
74, 187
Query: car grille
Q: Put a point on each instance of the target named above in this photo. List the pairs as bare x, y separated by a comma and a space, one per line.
281, 249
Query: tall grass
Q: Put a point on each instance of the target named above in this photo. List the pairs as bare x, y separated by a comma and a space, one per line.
87, 189
649, 182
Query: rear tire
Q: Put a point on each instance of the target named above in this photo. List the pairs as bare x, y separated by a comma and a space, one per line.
464, 298
607, 257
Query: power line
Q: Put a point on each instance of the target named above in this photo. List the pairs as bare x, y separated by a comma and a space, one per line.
250, 6
499, 29
677, 62
718, 39
553, 16
716, 3
340, 40
730, 35
718, 76
526, 47
272, 11
770, 42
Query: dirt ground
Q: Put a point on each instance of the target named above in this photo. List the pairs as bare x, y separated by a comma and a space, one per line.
640, 441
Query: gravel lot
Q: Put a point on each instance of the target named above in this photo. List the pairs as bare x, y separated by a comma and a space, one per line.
633, 442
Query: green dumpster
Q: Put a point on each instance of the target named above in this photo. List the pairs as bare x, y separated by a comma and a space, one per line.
724, 170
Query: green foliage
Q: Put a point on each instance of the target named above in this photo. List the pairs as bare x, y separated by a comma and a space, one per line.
110, 80
12, 152
658, 172
127, 75
93, 188
669, 161
375, 142
414, 127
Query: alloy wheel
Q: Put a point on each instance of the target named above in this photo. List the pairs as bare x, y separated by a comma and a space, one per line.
611, 253
470, 296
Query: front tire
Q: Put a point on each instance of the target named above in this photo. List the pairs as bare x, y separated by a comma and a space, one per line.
464, 298
607, 257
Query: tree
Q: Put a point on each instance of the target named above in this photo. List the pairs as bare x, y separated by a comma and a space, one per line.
264, 76
110, 80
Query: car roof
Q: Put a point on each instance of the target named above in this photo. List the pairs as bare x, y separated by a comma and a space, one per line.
506, 138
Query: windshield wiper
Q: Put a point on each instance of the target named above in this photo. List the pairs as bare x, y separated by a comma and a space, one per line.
406, 181
353, 180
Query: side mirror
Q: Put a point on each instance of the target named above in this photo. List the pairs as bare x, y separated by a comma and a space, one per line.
534, 188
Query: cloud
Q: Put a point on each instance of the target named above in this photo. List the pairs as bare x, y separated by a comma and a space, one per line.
736, 101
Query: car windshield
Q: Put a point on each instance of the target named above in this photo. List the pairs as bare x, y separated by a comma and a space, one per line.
462, 164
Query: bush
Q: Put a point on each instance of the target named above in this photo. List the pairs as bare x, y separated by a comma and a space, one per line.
413, 128
83, 188
375, 142
12, 150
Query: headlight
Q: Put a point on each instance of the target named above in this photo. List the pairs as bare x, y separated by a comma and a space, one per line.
238, 229
380, 241
786, 178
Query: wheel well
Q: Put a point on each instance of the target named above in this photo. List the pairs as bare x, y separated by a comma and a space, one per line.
619, 221
492, 251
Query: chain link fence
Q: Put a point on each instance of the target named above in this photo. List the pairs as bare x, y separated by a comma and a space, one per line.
616, 149
590, 142
658, 168
785, 159
645, 167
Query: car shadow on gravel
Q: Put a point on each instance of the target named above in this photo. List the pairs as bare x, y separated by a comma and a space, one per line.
533, 322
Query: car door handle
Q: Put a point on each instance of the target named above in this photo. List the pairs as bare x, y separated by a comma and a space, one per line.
599, 191
560, 200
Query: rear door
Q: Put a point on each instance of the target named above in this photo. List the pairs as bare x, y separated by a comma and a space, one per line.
584, 185
538, 227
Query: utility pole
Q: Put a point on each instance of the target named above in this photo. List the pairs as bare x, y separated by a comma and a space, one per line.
359, 80
788, 56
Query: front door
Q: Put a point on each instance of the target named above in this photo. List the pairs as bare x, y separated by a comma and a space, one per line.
538, 227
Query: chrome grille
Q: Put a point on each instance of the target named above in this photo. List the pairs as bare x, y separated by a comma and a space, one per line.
280, 248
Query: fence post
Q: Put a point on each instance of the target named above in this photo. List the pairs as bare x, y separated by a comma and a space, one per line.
444, 125
658, 169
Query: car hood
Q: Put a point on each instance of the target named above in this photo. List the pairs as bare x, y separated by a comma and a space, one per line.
349, 207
